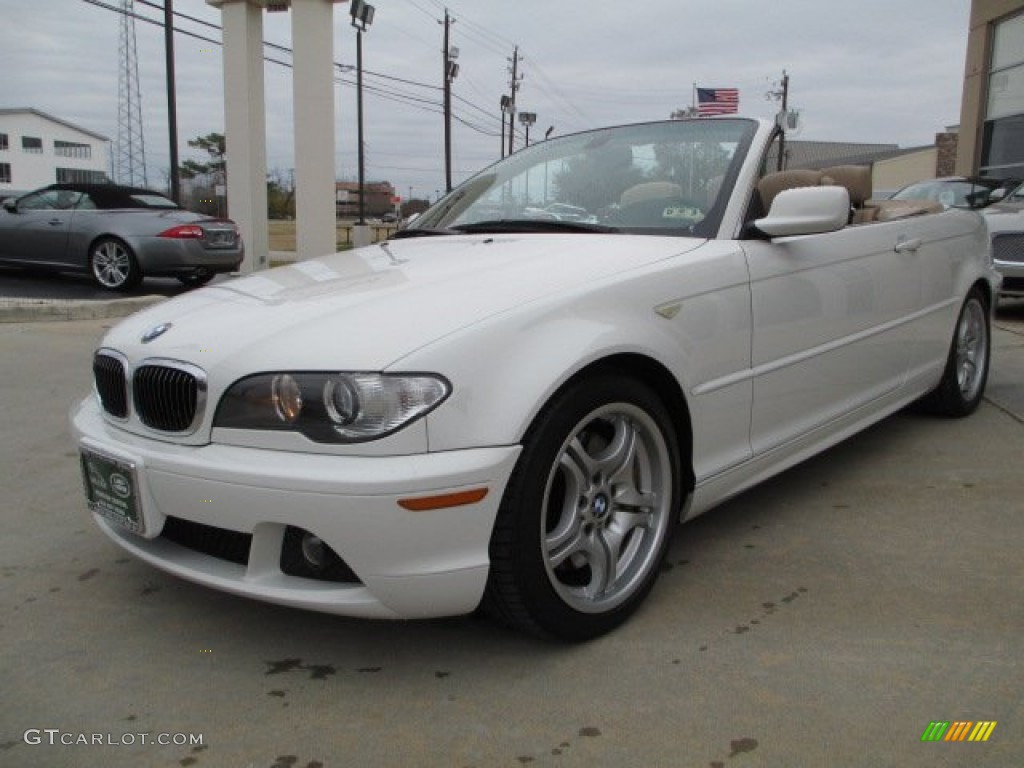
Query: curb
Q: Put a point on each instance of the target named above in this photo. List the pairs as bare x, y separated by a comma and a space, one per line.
43, 310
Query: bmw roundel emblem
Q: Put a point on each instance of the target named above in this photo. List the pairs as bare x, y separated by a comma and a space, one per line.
156, 332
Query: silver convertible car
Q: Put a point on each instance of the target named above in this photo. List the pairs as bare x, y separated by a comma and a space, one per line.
117, 234
513, 412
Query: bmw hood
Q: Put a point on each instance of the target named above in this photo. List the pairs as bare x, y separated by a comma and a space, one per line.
367, 308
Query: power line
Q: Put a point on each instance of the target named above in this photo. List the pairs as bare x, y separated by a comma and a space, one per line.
392, 95
389, 88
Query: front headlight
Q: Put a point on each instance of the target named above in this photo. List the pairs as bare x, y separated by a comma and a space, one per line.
331, 407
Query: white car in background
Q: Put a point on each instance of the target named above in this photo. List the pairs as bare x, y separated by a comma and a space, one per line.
1005, 221
498, 410
1001, 203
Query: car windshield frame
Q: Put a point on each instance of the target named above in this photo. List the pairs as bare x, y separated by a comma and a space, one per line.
668, 178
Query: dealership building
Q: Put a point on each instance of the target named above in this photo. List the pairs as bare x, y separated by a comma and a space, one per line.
991, 140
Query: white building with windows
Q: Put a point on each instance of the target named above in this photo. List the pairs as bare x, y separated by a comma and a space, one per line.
37, 149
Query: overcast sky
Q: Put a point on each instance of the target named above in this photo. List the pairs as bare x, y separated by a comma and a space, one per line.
879, 71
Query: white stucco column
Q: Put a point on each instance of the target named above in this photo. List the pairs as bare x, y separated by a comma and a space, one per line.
313, 95
245, 127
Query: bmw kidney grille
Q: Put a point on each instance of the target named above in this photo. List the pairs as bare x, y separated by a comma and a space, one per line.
165, 395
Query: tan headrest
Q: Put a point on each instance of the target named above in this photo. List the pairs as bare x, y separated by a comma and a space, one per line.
650, 190
856, 179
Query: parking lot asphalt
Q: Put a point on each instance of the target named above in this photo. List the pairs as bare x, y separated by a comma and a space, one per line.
826, 618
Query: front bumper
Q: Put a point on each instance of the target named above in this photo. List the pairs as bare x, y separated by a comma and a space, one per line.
408, 564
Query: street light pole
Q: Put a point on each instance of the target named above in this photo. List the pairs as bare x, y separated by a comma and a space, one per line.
527, 119
506, 106
362, 17
359, 111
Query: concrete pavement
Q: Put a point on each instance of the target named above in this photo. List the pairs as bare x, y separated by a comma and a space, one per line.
1006, 385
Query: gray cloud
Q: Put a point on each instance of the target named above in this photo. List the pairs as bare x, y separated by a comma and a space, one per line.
873, 71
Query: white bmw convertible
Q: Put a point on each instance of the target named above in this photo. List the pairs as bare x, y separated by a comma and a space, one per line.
507, 408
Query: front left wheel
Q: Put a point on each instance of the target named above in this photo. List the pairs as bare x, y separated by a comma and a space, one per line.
589, 511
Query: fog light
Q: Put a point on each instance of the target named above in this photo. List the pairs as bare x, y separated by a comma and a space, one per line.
307, 556
313, 551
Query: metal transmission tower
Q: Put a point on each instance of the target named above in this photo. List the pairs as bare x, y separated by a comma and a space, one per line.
130, 154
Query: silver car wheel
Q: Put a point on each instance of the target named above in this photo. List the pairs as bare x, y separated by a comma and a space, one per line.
113, 265
607, 509
962, 386
972, 349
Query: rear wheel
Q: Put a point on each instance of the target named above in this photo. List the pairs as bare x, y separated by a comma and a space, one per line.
963, 381
113, 265
589, 512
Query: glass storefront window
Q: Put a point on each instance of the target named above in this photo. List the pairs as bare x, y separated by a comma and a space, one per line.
1002, 152
1008, 43
1006, 93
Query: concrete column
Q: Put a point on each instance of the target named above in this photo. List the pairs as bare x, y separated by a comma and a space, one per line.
313, 94
245, 127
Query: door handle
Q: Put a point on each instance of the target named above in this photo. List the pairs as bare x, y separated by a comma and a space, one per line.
55, 222
907, 245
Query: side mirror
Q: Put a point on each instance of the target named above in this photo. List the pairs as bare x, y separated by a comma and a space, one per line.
806, 211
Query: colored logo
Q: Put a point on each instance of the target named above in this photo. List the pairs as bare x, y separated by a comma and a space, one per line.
958, 730
119, 484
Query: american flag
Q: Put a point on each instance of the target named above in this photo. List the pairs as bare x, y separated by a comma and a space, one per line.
717, 101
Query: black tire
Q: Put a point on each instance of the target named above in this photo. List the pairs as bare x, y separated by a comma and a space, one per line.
589, 512
963, 380
113, 265
195, 281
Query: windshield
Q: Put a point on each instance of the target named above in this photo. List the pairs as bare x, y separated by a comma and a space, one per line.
951, 192
670, 178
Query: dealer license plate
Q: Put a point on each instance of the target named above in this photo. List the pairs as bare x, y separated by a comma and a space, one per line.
112, 489
218, 238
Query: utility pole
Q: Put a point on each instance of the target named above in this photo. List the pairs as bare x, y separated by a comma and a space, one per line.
781, 92
512, 99
785, 110
450, 72
172, 109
